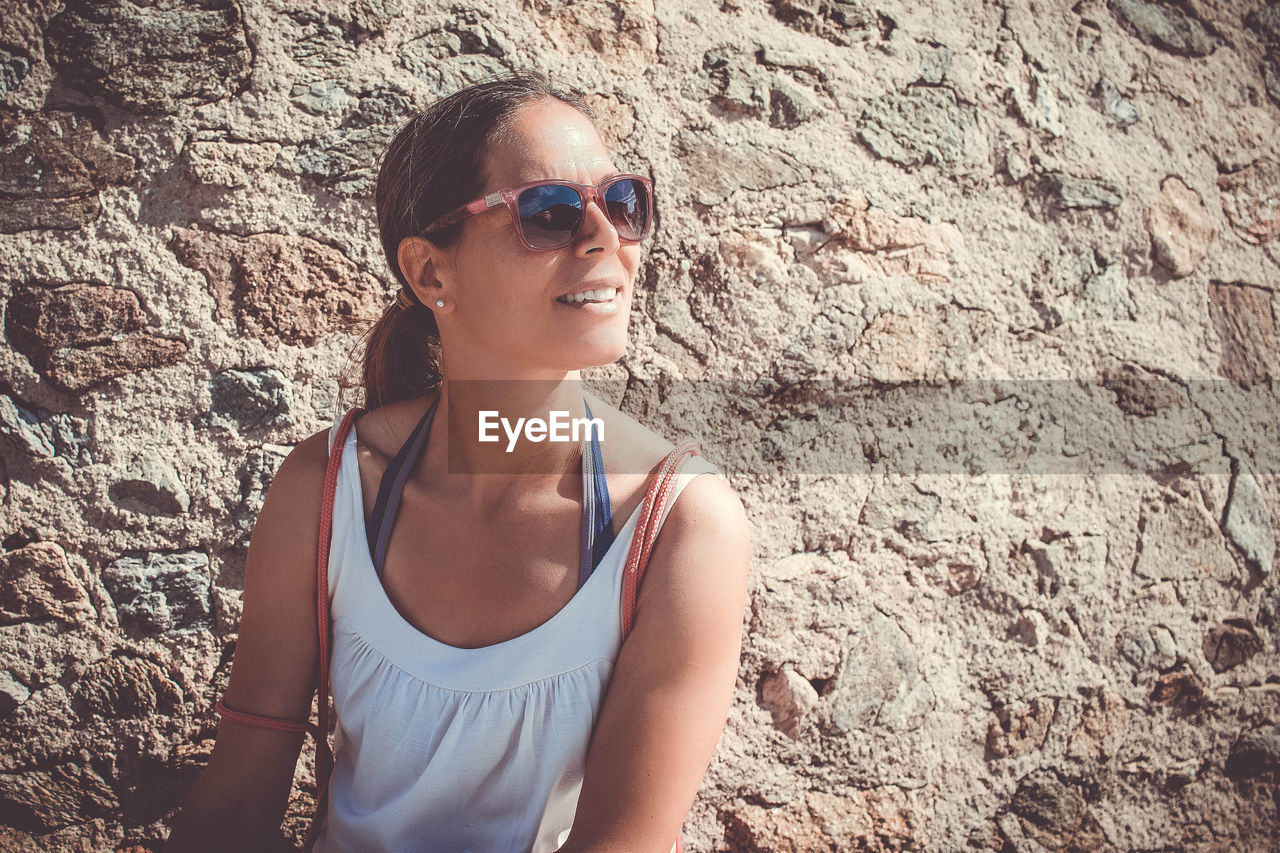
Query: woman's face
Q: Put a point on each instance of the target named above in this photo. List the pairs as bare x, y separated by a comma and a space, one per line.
502, 317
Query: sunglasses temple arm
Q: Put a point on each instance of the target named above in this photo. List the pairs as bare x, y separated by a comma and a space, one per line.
480, 205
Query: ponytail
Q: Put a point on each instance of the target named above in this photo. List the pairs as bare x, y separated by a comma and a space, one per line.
402, 355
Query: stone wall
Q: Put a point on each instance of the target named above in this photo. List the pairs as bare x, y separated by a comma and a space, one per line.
863, 204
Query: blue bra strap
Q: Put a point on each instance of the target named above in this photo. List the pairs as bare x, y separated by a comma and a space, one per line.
378, 530
597, 515
602, 533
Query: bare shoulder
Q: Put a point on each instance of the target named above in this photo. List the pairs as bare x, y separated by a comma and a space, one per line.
305, 463
383, 430
630, 446
707, 506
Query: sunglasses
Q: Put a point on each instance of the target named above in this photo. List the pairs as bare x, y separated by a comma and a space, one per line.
549, 214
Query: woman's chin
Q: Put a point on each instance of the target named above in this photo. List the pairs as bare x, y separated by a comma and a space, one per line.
599, 353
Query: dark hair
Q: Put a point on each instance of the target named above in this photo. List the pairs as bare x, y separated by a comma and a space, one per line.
434, 164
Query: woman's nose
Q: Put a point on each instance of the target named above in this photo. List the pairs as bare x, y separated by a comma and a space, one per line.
597, 229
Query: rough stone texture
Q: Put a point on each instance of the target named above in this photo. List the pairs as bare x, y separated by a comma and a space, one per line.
151, 57
52, 167
81, 368
51, 799
158, 593
880, 685
788, 696
81, 335
1166, 26
1230, 644
1246, 520
1119, 108
1251, 200
126, 687
151, 486
252, 399
1266, 23
1245, 322
839, 21
1008, 448
277, 288
877, 821
229, 164
1072, 191
37, 583
1256, 754
924, 125
1180, 228
1055, 814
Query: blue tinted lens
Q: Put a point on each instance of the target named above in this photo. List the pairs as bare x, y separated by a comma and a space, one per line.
628, 204
549, 215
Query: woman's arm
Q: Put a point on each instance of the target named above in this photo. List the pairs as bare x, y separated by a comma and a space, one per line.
672, 686
240, 798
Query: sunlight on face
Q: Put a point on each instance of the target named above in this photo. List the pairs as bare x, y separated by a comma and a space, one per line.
507, 321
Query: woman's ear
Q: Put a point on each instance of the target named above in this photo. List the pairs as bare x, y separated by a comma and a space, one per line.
421, 264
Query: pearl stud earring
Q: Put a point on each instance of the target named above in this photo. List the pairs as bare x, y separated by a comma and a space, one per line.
439, 303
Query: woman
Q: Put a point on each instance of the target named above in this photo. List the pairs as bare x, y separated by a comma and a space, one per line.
486, 697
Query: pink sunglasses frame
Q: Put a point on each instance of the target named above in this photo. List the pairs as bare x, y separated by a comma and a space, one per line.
586, 194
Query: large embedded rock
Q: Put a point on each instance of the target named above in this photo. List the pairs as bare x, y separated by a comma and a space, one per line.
1073, 191
878, 820
151, 485
280, 288
52, 166
1230, 643
125, 686
788, 696
922, 125
327, 35
252, 399
81, 368
1251, 200
81, 335
1180, 227
880, 686
1166, 26
51, 799
841, 22
160, 593
70, 315
1256, 753
36, 582
345, 160
1248, 519
152, 57
1180, 541
1242, 315
1056, 814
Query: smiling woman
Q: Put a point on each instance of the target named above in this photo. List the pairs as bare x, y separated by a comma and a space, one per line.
502, 680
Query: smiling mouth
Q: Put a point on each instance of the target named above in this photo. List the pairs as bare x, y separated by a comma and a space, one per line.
606, 294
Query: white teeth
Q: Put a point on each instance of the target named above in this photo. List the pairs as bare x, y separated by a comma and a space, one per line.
592, 295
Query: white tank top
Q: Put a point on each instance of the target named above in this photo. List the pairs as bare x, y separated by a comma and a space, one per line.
440, 748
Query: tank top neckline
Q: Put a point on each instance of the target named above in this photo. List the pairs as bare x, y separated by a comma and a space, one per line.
411, 635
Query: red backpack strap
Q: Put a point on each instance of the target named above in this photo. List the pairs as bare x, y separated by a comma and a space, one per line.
661, 485
324, 752
283, 724
652, 509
